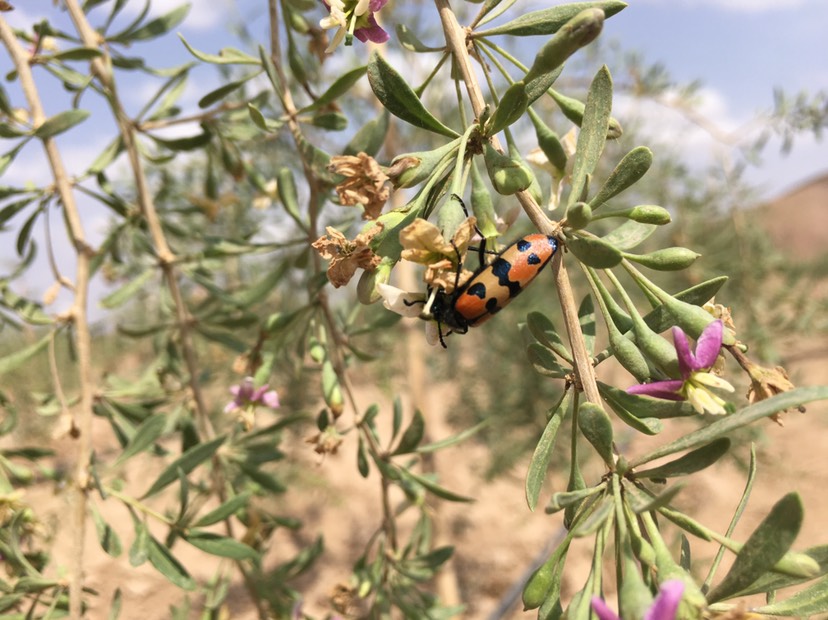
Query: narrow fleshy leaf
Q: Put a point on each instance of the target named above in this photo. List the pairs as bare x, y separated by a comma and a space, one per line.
436, 489
225, 510
594, 252
549, 21
340, 86
629, 170
144, 437
187, 462
412, 436
593, 134
725, 426
595, 424
120, 296
226, 56
107, 537
411, 42
400, 99
18, 358
59, 123
454, 439
811, 601
765, 547
543, 453
629, 235
510, 109
156, 27
222, 91
370, 137
166, 563
222, 546
690, 463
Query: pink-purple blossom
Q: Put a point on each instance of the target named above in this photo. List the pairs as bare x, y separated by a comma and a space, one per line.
694, 366
664, 606
246, 395
353, 18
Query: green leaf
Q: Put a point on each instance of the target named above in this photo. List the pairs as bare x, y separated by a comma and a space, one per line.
412, 43
12, 209
187, 143
594, 252
165, 563
341, 86
549, 21
629, 170
112, 150
665, 259
595, 424
454, 439
145, 436
362, 459
593, 134
648, 426
544, 361
765, 547
543, 453
690, 463
76, 53
18, 358
106, 535
809, 602
629, 235
435, 488
187, 462
400, 99
129, 290
370, 137
59, 123
412, 435
139, 549
222, 91
511, 108
156, 27
261, 121
222, 546
226, 56
225, 510
726, 425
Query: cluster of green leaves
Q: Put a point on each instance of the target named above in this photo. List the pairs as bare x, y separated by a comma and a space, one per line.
212, 472
620, 503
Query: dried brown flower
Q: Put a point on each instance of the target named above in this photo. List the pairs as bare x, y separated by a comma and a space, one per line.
347, 256
365, 183
423, 243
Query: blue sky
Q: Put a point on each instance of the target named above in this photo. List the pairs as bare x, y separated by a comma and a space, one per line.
739, 49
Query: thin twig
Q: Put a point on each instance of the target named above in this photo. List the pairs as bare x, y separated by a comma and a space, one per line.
78, 316
102, 69
455, 37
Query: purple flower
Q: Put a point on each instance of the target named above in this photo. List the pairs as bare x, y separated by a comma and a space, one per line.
696, 380
663, 608
353, 18
245, 395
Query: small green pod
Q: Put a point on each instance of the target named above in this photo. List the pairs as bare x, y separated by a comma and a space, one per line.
508, 176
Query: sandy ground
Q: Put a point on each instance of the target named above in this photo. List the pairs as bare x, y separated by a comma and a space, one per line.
497, 539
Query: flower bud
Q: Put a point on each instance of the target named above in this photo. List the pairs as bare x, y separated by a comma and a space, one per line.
550, 144
411, 169
668, 259
578, 215
579, 31
650, 214
508, 175
367, 292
